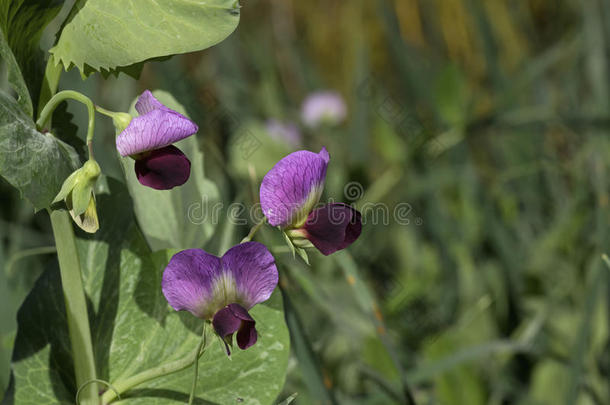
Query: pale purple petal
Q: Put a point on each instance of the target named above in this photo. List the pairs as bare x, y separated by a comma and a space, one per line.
253, 270
157, 128
204, 284
147, 102
188, 281
323, 107
291, 189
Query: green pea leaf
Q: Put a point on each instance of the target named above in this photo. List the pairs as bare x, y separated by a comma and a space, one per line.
22, 23
185, 216
134, 329
108, 34
36, 164
15, 78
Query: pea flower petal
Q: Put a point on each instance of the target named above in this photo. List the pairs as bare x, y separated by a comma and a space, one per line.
203, 284
147, 102
163, 169
333, 227
157, 126
234, 318
253, 269
291, 189
188, 281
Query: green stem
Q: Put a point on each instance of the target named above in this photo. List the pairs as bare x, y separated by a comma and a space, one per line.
253, 231
106, 383
104, 111
76, 305
195, 360
48, 109
151, 374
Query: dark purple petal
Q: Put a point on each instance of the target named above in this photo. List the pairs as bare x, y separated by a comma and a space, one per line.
225, 322
253, 270
156, 127
235, 318
188, 282
293, 186
163, 169
333, 227
246, 335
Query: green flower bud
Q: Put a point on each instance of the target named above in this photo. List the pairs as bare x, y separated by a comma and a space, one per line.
121, 121
77, 192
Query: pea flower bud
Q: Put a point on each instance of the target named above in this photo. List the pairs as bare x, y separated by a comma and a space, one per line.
77, 192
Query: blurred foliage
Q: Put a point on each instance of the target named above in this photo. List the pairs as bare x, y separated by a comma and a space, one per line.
478, 132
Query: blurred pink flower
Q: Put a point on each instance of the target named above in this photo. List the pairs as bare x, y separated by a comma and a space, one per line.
323, 107
286, 132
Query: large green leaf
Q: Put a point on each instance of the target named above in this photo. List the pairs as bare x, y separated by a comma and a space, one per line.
36, 164
184, 216
15, 77
22, 22
134, 329
108, 34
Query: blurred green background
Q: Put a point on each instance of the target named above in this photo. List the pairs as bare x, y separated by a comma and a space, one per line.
479, 127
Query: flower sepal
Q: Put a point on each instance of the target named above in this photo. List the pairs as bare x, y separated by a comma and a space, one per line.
121, 121
297, 243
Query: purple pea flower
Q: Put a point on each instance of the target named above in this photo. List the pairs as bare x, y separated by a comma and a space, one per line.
148, 139
323, 107
289, 193
222, 289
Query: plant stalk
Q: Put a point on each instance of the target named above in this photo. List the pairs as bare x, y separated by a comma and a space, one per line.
253, 231
76, 305
201, 345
